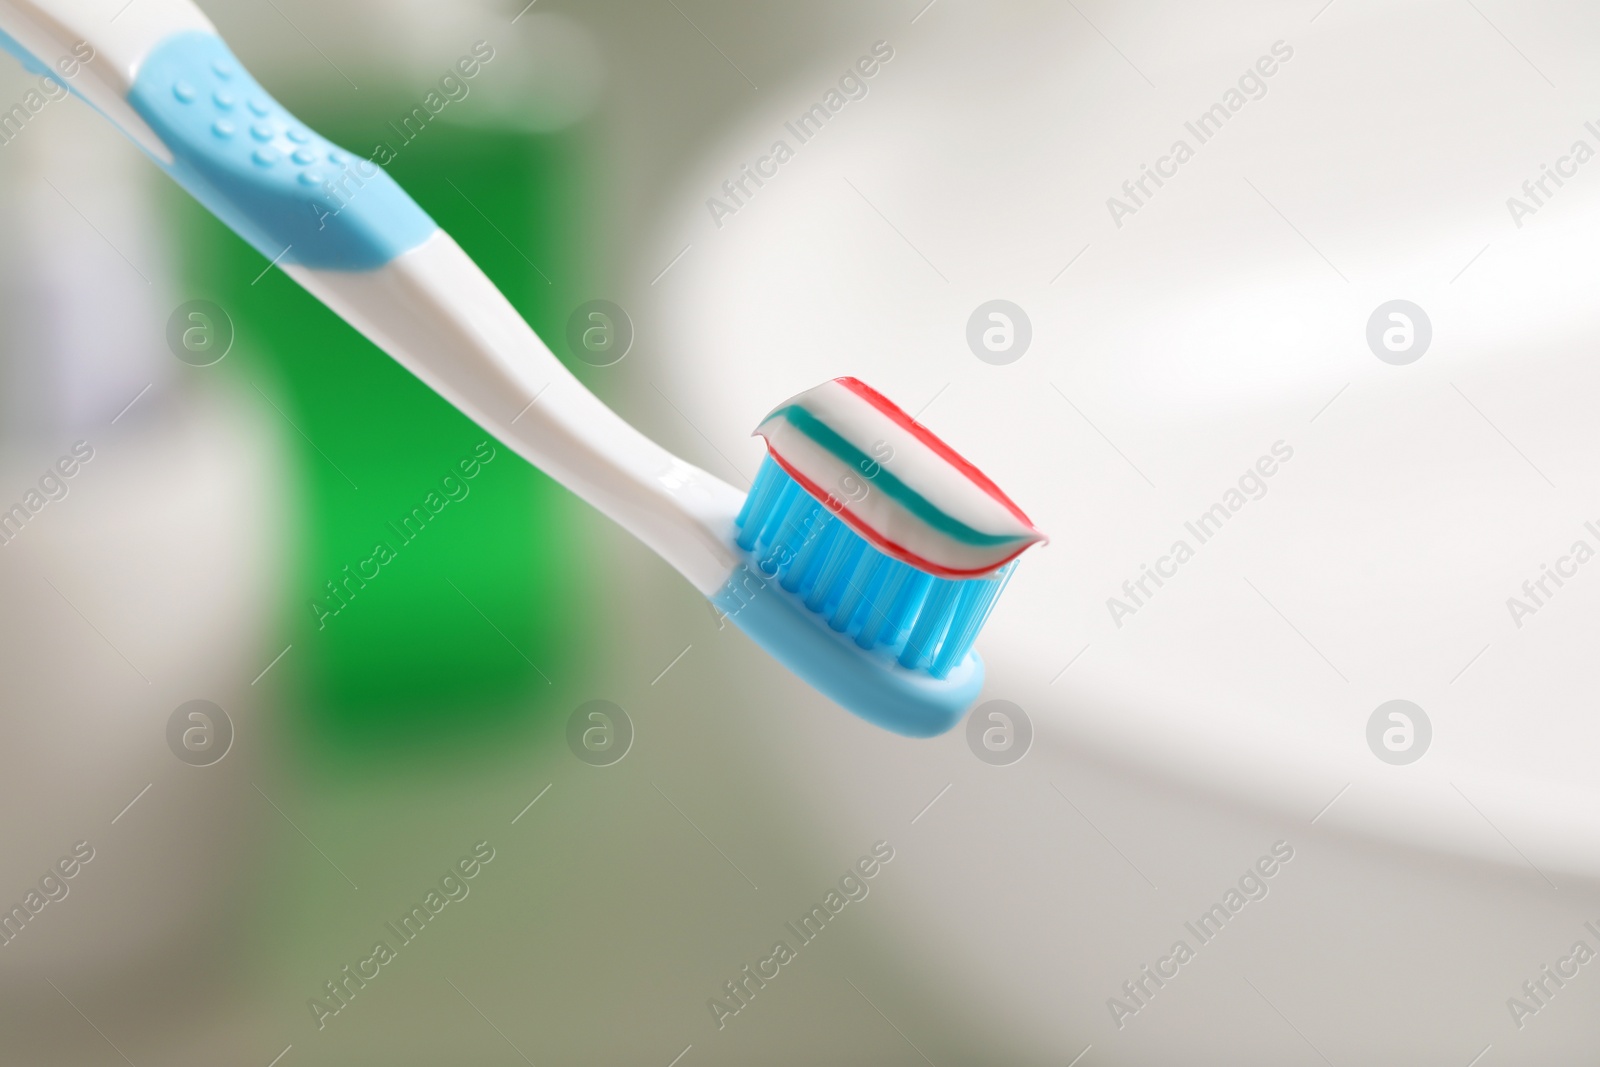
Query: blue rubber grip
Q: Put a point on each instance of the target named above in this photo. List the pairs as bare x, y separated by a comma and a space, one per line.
294, 195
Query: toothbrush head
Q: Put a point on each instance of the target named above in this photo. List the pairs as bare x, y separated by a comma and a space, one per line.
873, 554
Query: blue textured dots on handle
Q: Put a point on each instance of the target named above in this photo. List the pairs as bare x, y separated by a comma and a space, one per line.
289, 192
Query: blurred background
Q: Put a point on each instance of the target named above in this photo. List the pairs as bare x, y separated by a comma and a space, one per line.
1430, 887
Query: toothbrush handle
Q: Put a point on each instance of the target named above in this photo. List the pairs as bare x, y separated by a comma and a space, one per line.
342, 228
435, 312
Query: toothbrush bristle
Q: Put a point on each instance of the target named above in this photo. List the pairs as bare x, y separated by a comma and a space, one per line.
923, 622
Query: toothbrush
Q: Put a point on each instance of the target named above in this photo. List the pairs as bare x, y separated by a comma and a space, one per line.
867, 554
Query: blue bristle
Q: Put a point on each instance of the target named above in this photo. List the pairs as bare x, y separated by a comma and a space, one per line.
770, 538
853, 597
972, 611
769, 481
929, 630
832, 579
777, 512
905, 609
924, 622
892, 579
804, 568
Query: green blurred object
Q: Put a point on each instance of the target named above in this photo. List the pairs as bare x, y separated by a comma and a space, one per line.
470, 628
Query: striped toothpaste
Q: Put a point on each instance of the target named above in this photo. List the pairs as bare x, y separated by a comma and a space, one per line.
907, 493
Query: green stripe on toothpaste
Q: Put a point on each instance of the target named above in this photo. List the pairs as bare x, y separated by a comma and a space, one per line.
892, 487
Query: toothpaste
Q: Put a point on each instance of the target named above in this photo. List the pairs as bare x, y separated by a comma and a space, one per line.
907, 493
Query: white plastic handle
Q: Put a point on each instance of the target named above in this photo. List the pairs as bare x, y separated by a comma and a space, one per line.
435, 312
